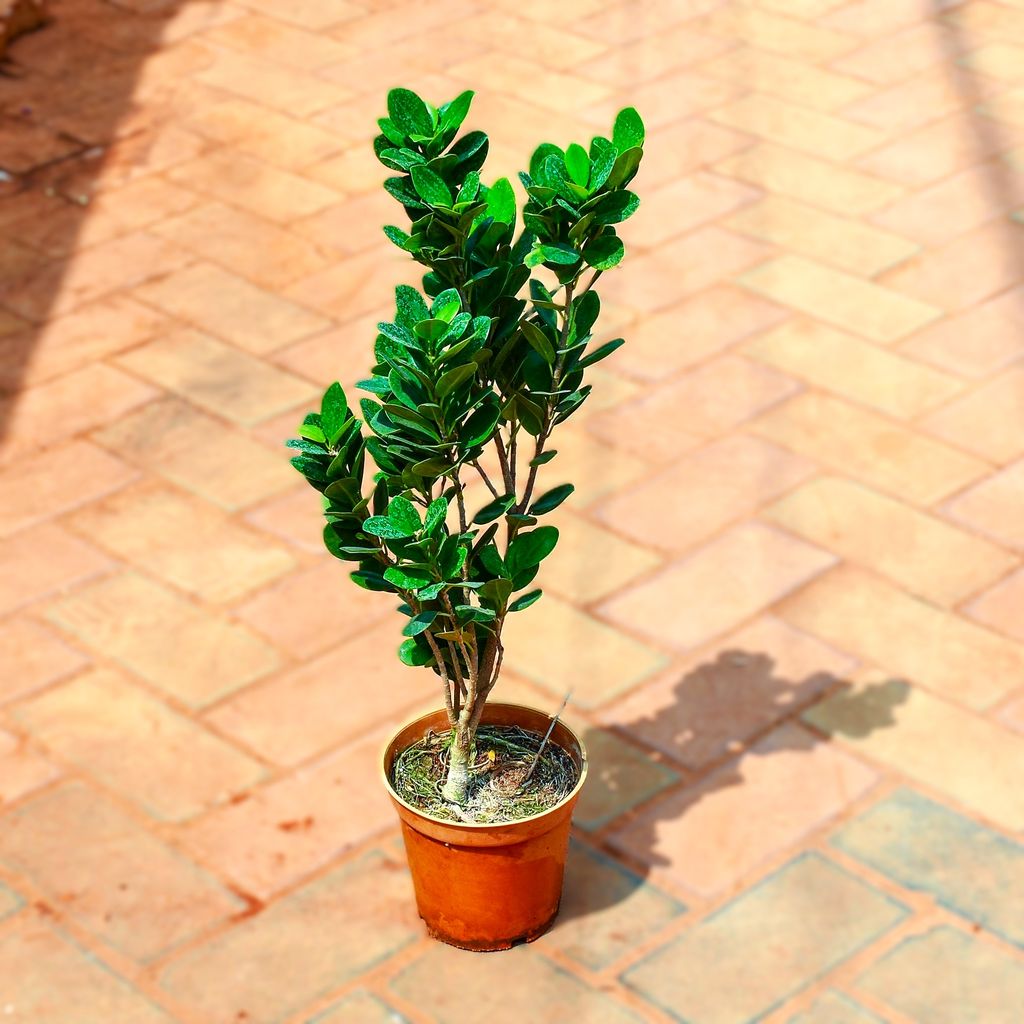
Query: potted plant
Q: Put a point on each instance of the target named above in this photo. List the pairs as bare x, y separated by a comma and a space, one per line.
472, 377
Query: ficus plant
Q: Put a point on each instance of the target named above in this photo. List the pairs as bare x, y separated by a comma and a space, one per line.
471, 378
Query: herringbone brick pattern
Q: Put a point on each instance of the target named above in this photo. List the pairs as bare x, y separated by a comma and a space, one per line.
789, 596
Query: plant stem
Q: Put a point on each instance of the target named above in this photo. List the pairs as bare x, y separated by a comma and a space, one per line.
499, 443
449, 710
486, 479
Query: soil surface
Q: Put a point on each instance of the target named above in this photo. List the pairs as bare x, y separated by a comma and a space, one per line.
497, 790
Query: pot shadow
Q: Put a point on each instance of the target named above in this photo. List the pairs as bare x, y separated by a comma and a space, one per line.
77, 116
660, 765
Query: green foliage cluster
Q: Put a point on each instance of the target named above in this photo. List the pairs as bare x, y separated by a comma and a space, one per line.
482, 364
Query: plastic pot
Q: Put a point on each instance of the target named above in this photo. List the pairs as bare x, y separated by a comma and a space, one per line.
487, 886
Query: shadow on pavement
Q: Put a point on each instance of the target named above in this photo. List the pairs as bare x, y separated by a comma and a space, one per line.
722, 712
72, 123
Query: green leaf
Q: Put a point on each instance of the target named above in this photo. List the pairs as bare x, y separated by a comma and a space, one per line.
408, 578
625, 167
431, 187
577, 163
529, 549
312, 433
605, 252
564, 255
383, 527
551, 499
411, 653
311, 468
501, 202
306, 446
480, 425
403, 516
525, 601
453, 378
429, 593
397, 235
451, 557
540, 154
585, 311
333, 412
490, 559
494, 509
446, 305
370, 580
616, 207
419, 623
601, 352
544, 457
409, 112
437, 512
410, 307
628, 131
603, 156
452, 114
332, 541
539, 341
497, 591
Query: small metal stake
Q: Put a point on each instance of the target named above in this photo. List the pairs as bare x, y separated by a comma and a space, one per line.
544, 742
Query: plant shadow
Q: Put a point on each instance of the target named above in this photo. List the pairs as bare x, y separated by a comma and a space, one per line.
694, 745
86, 105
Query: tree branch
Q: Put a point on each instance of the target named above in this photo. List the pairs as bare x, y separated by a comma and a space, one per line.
486, 479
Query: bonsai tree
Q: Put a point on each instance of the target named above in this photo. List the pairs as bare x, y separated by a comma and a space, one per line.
472, 377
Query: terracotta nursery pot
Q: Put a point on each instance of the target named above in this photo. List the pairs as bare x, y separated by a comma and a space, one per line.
488, 886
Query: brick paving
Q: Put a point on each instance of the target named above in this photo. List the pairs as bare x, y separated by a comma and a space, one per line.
789, 596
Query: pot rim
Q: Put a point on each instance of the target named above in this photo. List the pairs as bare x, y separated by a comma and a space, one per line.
487, 826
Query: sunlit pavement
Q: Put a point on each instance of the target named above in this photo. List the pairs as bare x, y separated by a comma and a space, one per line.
788, 595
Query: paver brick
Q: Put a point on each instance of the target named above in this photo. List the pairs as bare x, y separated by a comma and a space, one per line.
704, 403
717, 587
217, 377
136, 745
709, 835
184, 540
230, 307
599, 663
123, 884
32, 657
846, 244
296, 714
921, 553
923, 845
835, 1008
690, 501
48, 979
839, 298
906, 728
916, 979
708, 706
870, 448
168, 641
442, 982
282, 832
301, 947
992, 506
844, 364
817, 914
838, 188
999, 607
199, 452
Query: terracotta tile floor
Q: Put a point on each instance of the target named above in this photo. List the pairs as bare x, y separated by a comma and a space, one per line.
800, 663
